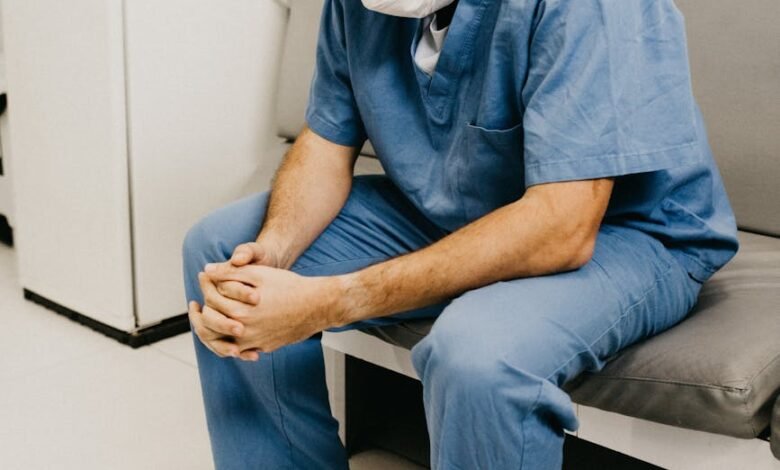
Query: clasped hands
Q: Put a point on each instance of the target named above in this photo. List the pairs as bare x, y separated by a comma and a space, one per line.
252, 306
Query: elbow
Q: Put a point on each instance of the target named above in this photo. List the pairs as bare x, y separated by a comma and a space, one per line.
582, 257
580, 253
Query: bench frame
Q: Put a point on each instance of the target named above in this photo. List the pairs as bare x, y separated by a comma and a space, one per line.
659, 444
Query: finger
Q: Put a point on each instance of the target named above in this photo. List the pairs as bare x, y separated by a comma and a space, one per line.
223, 348
238, 291
250, 355
220, 323
204, 333
245, 254
231, 308
227, 272
219, 347
193, 312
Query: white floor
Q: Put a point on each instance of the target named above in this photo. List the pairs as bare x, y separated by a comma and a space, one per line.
71, 398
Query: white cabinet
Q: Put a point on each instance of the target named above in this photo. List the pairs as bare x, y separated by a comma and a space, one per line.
6, 208
130, 120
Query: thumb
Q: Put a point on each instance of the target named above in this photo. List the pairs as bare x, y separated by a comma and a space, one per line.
245, 254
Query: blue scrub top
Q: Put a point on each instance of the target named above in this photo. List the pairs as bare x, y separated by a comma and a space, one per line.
529, 92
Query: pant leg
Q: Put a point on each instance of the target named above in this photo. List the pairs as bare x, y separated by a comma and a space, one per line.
495, 359
274, 413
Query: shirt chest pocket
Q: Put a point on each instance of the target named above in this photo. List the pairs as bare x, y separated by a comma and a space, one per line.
492, 170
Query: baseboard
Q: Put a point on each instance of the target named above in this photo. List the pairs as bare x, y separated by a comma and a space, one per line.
141, 337
6, 232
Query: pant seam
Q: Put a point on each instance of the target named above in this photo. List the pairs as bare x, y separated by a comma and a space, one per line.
279, 409
522, 423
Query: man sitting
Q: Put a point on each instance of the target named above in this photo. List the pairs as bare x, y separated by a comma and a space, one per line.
550, 197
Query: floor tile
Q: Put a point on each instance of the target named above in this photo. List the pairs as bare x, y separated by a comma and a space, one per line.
33, 338
179, 347
380, 460
123, 409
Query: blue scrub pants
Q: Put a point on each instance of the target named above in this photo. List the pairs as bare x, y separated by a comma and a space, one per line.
491, 367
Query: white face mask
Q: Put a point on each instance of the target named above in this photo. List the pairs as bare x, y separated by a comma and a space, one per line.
406, 8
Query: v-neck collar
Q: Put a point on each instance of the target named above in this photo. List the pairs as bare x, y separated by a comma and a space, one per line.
456, 56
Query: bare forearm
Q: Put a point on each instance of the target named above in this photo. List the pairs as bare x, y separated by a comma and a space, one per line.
523, 239
309, 189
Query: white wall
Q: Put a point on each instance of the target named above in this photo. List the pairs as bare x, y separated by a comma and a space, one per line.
1, 26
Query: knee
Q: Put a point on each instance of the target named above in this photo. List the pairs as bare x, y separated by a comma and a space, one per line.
462, 369
201, 245
474, 349
455, 354
213, 238
470, 359
206, 242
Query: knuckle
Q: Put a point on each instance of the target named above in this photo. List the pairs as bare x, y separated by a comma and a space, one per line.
224, 327
207, 326
240, 315
222, 288
219, 327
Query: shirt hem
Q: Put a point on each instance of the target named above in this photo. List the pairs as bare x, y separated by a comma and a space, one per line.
332, 133
606, 166
695, 268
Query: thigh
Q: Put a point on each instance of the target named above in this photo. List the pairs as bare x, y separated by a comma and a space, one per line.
376, 223
559, 325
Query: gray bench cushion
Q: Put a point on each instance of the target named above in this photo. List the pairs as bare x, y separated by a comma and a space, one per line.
717, 371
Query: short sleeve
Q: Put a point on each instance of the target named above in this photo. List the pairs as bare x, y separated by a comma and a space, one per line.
608, 91
331, 111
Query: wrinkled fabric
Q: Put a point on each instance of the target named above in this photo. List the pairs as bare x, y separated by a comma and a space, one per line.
491, 367
528, 92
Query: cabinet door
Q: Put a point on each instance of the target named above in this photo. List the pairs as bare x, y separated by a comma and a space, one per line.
65, 73
6, 208
201, 85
